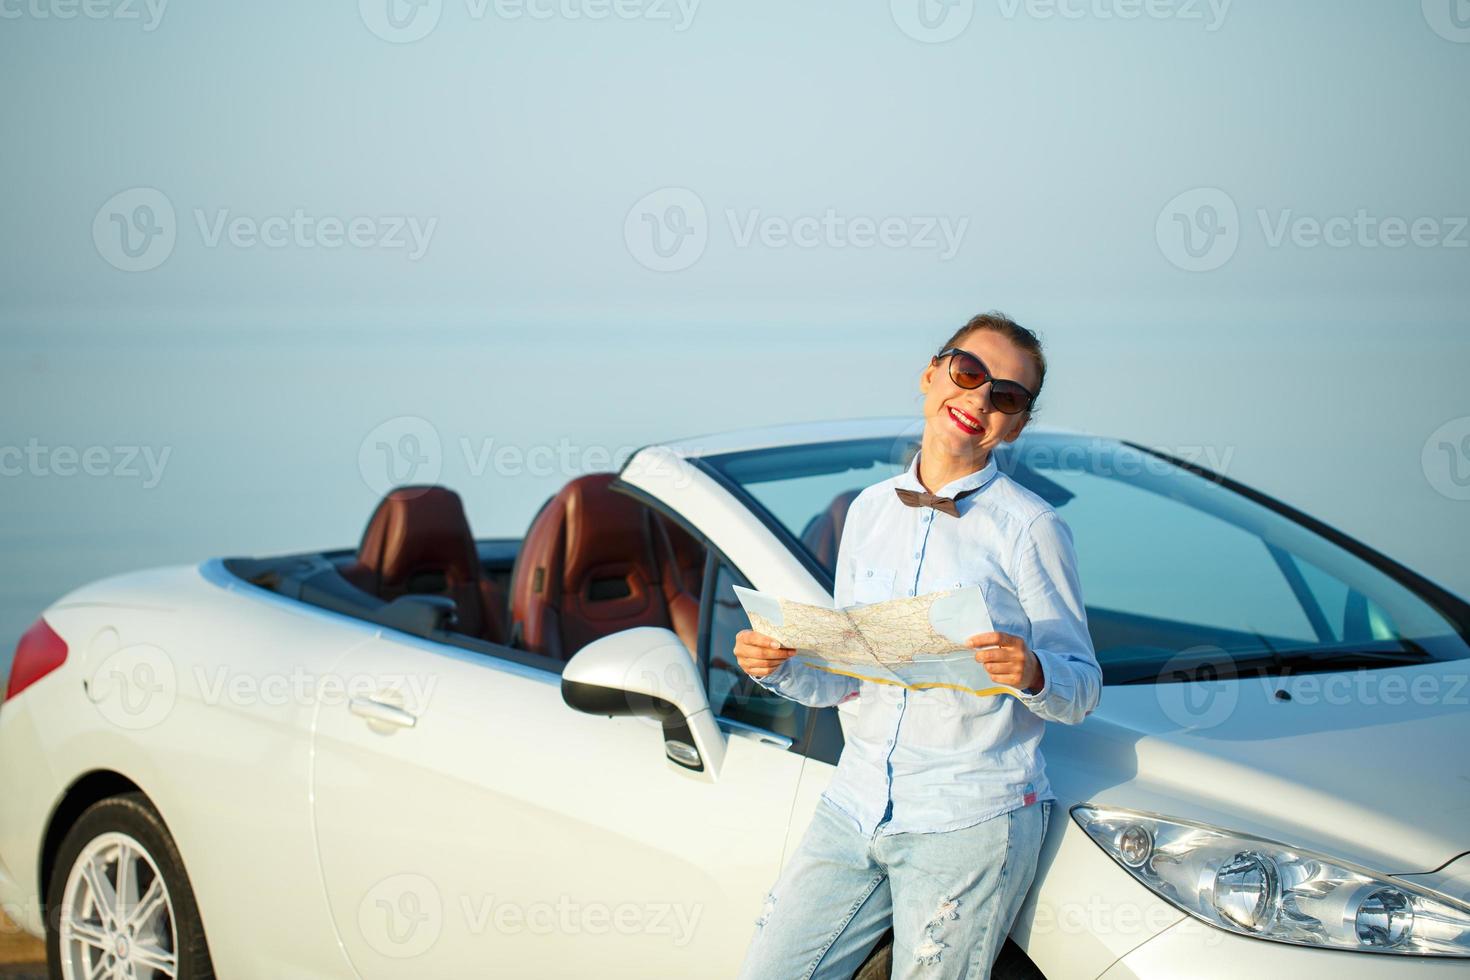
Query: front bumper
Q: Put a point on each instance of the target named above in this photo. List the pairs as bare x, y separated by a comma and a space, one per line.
1198, 951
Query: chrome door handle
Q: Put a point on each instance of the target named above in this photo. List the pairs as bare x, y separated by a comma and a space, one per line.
388, 714
756, 734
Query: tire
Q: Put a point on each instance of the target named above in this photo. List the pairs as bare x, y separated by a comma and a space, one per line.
879, 964
167, 934
1010, 964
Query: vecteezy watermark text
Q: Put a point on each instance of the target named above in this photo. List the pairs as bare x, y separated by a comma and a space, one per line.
406, 21
404, 915
937, 21
833, 230
303, 230
1210, 13
136, 230
667, 230
122, 462
1201, 229
224, 685
408, 449
149, 13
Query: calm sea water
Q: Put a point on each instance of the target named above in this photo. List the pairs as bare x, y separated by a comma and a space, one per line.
141, 448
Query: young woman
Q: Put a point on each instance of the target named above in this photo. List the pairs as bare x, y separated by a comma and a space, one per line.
935, 816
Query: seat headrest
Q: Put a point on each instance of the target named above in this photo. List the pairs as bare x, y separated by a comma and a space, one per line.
418, 531
603, 527
680, 554
823, 535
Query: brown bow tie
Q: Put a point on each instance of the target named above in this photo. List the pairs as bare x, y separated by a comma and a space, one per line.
916, 498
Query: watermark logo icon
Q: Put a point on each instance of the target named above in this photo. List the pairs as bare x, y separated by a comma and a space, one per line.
667, 230
1193, 690
932, 21
401, 450
1199, 230
1446, 459
662, 680
400, 21
1450, 19
135, 229
401, 916
134, 687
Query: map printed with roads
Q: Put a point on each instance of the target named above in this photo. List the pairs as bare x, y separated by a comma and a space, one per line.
916, 642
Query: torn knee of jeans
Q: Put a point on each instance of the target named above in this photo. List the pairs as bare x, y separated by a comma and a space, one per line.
948, 908
928, 950
770, 907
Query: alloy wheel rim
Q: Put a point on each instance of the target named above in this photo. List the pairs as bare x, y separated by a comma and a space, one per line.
117, 918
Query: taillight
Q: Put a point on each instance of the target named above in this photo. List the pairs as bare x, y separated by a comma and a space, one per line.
39, 652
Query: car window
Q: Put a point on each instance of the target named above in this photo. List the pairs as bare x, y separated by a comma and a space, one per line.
1142, 554
806, 489
733, 693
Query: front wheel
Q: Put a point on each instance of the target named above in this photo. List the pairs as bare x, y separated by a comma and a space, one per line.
120, 901
1010, 963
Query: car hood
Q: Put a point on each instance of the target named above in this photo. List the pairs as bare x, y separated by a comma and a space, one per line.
1452, 880
1365, 765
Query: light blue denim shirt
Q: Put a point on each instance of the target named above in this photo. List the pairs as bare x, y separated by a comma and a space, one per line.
941, 759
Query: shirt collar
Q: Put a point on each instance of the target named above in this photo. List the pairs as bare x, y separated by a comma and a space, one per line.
909, 479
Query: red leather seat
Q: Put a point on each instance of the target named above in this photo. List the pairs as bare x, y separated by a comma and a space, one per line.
595, 562
823, 535
681, 560
418, 542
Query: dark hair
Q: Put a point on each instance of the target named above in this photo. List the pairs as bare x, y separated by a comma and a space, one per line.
1017, 334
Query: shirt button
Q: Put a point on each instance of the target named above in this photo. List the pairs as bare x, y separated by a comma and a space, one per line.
916, 554
870, 573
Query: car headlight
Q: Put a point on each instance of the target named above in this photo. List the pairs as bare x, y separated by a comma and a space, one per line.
1269, 890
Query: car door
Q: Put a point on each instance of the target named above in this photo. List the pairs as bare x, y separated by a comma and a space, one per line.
469, 820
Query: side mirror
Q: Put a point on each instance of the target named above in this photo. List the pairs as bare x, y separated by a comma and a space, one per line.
647, 671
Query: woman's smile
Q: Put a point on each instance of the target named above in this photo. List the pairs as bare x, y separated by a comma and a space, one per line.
967, 424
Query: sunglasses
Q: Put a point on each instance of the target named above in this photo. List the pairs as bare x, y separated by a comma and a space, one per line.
968, 371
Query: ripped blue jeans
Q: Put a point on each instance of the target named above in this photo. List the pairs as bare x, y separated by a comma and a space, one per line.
951, 898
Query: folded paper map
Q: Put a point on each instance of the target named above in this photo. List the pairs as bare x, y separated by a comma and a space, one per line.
916, 642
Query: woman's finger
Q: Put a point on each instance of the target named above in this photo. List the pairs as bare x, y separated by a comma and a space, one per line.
752, 638
761, 661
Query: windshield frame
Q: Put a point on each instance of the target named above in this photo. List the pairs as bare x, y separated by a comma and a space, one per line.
1454, 610
778, 530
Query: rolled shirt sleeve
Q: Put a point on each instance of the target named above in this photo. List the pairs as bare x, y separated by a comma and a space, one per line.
807, 685
1050, 591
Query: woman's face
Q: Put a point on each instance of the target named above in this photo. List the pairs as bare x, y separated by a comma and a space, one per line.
942, 397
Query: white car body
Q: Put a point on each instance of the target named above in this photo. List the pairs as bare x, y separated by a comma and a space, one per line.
504, 831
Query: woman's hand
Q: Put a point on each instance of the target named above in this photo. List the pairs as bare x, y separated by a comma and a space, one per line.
1008, 660
760, 654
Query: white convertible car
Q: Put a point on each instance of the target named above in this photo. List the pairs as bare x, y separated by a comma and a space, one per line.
437, 756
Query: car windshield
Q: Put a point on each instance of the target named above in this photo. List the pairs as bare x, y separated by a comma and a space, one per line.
1173, 565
